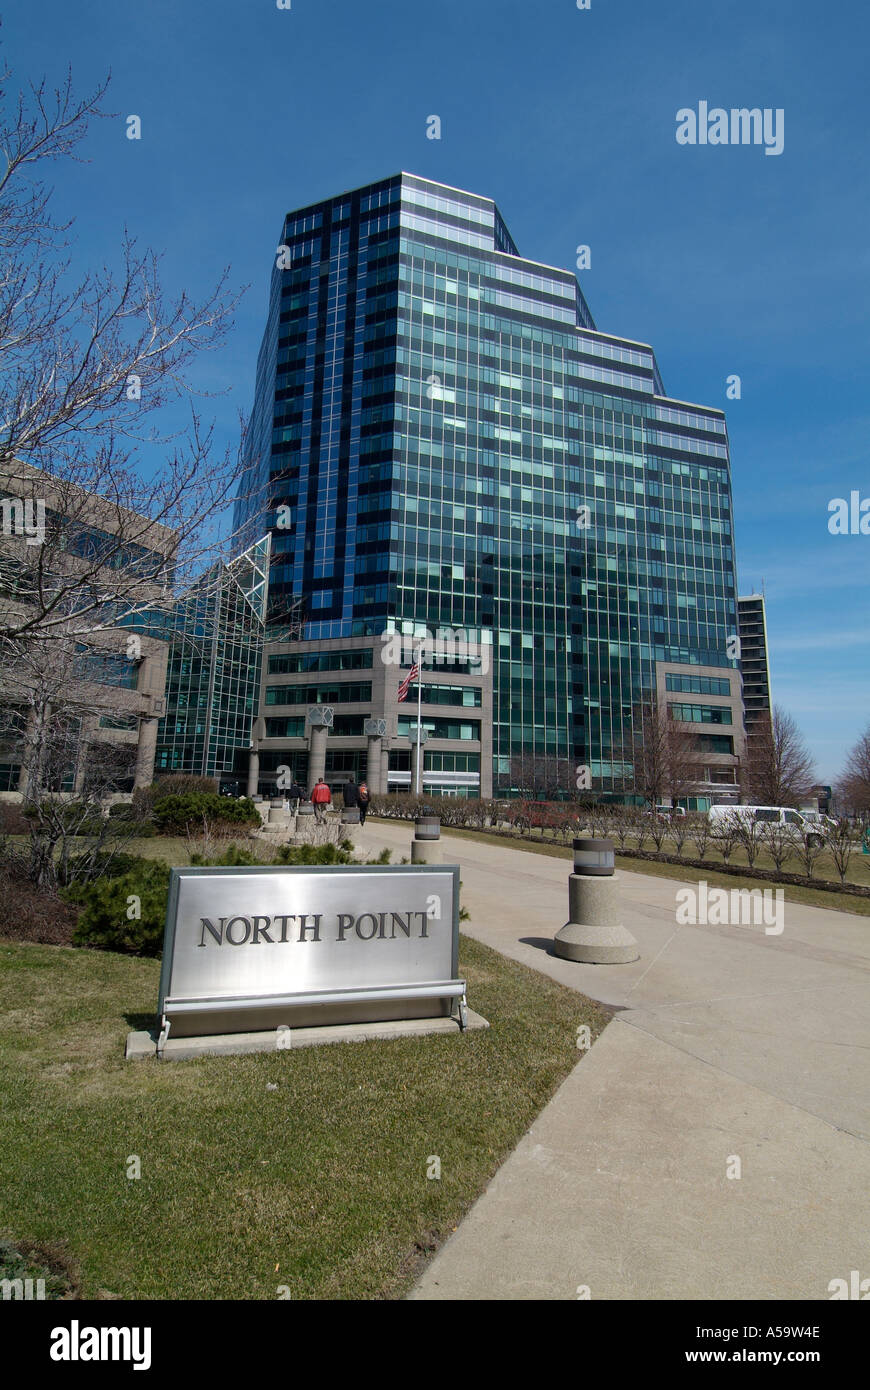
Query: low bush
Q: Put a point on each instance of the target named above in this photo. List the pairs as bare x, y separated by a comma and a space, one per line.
134, 820
110, 862
183, 783
76, 817
106, 904
142, 886
176, 814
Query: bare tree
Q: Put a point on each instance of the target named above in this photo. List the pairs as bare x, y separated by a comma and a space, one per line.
779, 767
86, 358
542, 776
665, 758
701, 832
853, 788
46, 708
780, 843
841, 846
650, 753
685, 767
729, 834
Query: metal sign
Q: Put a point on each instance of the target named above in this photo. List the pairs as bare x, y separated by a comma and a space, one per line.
250, 949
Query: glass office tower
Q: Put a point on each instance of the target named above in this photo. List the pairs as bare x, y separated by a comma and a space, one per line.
442, 438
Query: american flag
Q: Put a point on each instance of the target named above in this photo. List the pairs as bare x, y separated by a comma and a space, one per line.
406, 683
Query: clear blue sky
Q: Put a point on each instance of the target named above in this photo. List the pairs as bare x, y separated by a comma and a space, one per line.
725, 259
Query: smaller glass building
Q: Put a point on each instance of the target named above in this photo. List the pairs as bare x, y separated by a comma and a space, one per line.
216, 633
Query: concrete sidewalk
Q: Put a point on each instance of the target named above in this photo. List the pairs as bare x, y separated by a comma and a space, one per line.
728, 1042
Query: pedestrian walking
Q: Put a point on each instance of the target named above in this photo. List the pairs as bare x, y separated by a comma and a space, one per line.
320, 799
363, 799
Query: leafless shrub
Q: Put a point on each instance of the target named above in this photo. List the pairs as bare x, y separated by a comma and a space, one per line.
841, 846
700, 832
780, 844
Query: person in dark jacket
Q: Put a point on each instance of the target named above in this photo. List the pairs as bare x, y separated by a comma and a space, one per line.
294, 796
363, 799
351, 794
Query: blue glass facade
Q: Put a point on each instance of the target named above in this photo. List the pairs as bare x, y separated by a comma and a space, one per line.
442, 438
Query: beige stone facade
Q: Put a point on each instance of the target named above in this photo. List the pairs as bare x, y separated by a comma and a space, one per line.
45, 526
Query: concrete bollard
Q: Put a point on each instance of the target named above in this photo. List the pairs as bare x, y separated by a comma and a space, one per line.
350, 815
426, 844
594, 933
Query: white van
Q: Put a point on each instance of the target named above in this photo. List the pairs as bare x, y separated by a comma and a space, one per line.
825, 823
761, 817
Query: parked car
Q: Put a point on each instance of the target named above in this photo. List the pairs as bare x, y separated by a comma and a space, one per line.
762, 818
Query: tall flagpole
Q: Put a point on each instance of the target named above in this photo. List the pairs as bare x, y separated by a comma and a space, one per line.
419, 786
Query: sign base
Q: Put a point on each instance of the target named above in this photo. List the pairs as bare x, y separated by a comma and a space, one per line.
142, 1045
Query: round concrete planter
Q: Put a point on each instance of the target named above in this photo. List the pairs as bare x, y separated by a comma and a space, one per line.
595, 934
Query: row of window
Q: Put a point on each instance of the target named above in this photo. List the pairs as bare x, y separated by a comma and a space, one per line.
440, 728
345, 693
343, 726
452, 695
119, 721
701, 714
287, 664
433, 761
104, 668
697, 685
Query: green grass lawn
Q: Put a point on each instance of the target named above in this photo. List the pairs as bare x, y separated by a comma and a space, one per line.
858, 870
320, 1186
687, 873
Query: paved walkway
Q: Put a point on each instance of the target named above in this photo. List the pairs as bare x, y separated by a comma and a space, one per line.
727, 1042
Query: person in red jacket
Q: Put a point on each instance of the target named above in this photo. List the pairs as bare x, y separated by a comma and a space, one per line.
320, 798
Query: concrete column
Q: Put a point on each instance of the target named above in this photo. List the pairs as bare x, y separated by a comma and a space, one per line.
253, 772
317, 755
385, 771
373, 764
374, 730
145, 752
